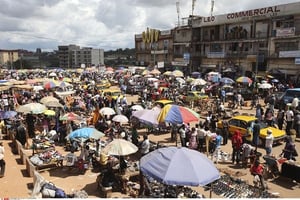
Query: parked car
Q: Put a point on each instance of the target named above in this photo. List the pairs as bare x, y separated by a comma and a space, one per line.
193, 96
243, 122
287, 97
134, 89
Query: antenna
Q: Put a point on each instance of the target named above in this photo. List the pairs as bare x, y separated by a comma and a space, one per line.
212, 7
178, 12
193, 6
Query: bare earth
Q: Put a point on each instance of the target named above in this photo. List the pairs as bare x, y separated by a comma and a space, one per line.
17, 184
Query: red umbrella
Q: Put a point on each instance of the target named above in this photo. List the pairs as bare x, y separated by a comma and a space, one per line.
70, 117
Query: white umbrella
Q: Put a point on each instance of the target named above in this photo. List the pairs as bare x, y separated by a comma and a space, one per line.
265, 86
120, 147
107, 111
137, 107
54, 104
48, 99
198, 81
120, 119
34, 108
180, 80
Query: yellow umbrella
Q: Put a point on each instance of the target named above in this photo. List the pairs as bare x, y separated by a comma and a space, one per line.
177, 73
167, 73
49, 112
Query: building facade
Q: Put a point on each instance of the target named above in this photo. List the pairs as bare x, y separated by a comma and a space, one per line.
256, 40
73, 56
8, 57
154, 47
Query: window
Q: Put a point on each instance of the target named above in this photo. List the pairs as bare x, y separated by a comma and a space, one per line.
286, 46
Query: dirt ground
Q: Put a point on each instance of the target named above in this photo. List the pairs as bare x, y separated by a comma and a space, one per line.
17, 184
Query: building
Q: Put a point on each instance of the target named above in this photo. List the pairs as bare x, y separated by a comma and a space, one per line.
8, 57
154, 48
256, 40
73, 56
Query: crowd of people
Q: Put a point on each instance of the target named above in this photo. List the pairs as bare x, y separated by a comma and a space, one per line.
86, 101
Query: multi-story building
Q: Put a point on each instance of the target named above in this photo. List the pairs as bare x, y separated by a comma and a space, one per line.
8, 57
154, 47
73, 56
256, 40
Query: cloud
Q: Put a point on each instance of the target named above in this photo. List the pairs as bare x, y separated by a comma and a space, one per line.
103, 24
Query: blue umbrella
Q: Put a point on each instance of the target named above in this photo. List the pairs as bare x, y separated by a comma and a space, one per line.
85, 133
226, 80
179, 166
7, 114
275, 80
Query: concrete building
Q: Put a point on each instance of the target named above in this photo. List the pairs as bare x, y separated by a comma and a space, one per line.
256, 40
73, 56
8, 57
154, 48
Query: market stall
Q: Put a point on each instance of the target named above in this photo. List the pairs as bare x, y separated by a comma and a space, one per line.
47, 159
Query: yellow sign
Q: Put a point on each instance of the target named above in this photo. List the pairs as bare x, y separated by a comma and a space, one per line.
150, 35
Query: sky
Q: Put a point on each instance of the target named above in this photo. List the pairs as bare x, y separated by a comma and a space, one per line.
101, 24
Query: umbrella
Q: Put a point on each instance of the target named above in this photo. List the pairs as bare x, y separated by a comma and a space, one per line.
180, 80
50, 84
275, 80
155, 72
137, 107
198, 81
244, 79
120, 147
167, 73
49, 112
147, 116
196, 74
175, 114
7, 114
37, 88
34, 108
52, 74
177, 73
120, 119
54, 104
47, 99
226, 80
85, 133
265, 86
70, 117
179, 166
107, 111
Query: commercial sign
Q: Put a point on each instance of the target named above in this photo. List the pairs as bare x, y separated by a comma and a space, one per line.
297, 61
266, 12
289, 54
178, 63
160, 65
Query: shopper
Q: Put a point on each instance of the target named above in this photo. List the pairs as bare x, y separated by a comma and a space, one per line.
269, 142
2, 161
145, 146
237, 143
256, 132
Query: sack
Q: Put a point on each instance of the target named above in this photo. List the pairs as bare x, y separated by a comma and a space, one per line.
48, 190
59, 193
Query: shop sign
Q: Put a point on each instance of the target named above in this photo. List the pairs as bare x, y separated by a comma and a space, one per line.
281, 32
297, 61
289, 54
160, 65
178, 63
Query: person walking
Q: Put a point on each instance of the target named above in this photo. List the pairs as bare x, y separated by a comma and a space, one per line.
182, 134
218, 142
145, 146
256, 132
280, 118
225, 131
269, 142
201, 134
2, 161
193, 143
289, 116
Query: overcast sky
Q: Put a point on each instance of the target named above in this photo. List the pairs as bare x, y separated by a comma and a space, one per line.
105, 24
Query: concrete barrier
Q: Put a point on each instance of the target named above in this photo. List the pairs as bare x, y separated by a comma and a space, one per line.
23, 156
19, 146
30, 167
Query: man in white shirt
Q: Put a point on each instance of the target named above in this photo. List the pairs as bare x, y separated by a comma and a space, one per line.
295, 103
71, 159
289, 120
269, 142
145, 146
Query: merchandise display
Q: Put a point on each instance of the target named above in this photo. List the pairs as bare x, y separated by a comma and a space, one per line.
229, 187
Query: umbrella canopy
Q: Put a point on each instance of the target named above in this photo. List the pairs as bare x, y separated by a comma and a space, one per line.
244, 79
70, 117
47, 99
179, 166
54, 104
177, 73
49, 112
198, 81
167, 73
120, 147
275, 80
7, 114
34, 108
85, 133
155, 72
50, 84
265, 86
147, 116
177, 114
226, 80
120, 119
107, 111
137, 107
